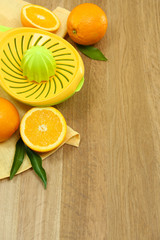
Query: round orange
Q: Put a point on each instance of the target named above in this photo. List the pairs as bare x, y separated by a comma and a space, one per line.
43, 129
39, 17
9, 119
87, 24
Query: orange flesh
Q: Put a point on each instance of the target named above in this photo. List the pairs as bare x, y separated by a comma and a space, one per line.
40, 17
43, 128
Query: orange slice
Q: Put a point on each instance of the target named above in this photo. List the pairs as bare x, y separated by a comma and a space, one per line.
43, 129
39, 17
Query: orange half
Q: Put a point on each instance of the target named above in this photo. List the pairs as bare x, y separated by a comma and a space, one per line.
39, 17
43, 129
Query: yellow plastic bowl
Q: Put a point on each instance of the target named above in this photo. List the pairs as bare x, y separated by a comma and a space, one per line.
69, 74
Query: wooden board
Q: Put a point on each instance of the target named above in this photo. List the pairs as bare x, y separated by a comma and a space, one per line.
108, 189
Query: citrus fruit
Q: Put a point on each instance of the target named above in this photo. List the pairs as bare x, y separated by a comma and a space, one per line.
87, 24
9, 119
43, 129
39, 17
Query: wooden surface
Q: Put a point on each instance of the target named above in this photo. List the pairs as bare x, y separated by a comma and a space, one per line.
109, 188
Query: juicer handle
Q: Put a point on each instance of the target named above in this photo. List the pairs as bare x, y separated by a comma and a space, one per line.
3, 28
80, 85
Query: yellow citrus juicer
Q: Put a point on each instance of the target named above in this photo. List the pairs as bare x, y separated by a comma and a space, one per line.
68, 75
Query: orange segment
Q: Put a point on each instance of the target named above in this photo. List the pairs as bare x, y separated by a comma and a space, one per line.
39, 17
43, 129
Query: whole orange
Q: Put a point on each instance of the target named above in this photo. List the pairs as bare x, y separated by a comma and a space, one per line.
87, 24
9, 119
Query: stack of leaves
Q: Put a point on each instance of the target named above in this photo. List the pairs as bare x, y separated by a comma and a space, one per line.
35, 159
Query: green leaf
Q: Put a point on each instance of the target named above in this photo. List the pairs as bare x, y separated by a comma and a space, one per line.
36, 162
92, 52
18, 157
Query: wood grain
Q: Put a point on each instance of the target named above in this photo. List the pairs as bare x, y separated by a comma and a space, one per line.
109, 188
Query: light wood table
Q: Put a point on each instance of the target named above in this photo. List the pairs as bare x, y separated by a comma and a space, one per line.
108, 188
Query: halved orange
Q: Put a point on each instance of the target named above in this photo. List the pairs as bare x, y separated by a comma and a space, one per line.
39, 17
43, 129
